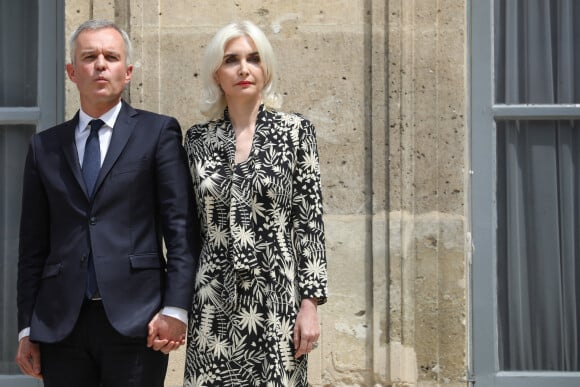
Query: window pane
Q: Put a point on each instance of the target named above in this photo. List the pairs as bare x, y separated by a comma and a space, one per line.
18, 52
537, 51
538, 202
13, 148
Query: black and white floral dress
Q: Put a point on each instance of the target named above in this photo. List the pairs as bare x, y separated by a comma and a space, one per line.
263, 251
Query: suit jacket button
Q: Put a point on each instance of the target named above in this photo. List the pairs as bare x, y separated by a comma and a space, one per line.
84, 258
92, 221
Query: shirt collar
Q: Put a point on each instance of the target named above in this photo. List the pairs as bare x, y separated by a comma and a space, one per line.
109, 118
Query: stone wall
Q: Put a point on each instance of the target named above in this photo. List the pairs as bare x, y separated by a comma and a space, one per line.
384, 82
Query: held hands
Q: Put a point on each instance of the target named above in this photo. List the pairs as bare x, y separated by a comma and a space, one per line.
165, 333
306, 329
28, 358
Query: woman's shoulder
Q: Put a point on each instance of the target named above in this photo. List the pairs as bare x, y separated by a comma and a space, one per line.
199, 126
291, 120
202, 129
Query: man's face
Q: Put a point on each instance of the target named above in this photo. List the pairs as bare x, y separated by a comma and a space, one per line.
99, 69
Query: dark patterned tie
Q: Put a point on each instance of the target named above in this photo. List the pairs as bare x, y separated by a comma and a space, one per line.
91, 167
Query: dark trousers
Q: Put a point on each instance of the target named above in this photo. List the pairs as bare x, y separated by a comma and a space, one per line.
96, 355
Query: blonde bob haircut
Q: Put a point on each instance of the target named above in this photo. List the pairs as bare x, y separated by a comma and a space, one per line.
213, 100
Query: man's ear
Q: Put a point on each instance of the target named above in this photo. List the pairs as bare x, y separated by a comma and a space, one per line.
128, 73
70, 70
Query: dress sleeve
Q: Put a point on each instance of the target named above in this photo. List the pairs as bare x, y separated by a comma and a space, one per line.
307, 217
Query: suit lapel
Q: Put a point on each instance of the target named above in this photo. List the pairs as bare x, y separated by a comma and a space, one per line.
69, 149
124, 127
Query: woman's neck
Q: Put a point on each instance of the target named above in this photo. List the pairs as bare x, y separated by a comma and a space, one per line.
243, 118
243, 115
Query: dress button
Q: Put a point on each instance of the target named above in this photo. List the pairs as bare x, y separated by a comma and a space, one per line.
92, 221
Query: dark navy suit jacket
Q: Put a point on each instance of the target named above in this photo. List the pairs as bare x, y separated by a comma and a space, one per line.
142, 198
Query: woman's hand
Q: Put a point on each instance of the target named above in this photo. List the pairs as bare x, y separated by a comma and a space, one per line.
306, 329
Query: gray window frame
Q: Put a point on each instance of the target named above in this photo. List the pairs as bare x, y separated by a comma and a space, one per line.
484, 113
51, 45
50, 102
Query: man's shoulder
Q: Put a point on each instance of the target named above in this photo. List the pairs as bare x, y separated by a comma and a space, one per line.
147, 114
154, 120
58, 129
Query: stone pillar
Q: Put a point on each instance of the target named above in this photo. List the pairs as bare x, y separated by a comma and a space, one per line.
427, 192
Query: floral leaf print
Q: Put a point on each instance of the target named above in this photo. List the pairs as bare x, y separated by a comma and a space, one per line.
315, 269
250, 319
258, 210
286, 329
219, 346
287, 352
242, 236
217, 235
310, 162
205, 326
263, 251
209, 292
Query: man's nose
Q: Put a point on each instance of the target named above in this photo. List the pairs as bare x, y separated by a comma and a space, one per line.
100, 62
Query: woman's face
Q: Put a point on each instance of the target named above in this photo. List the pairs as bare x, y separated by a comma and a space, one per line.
240, 74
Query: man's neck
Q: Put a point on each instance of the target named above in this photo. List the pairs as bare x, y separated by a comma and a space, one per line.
97, 110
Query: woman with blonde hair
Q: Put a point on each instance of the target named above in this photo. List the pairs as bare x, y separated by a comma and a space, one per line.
262, 270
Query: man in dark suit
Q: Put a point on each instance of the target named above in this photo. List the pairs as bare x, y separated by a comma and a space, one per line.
98, 302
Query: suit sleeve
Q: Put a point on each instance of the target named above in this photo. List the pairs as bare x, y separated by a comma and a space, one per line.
34, 238
176, 206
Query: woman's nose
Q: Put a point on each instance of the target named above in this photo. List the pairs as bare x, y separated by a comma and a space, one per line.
243, 68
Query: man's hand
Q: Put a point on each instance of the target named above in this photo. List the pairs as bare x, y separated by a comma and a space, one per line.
306, 329
28, 358
165, 333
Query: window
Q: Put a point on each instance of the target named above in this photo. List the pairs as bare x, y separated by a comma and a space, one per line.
526, 192
31, 99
